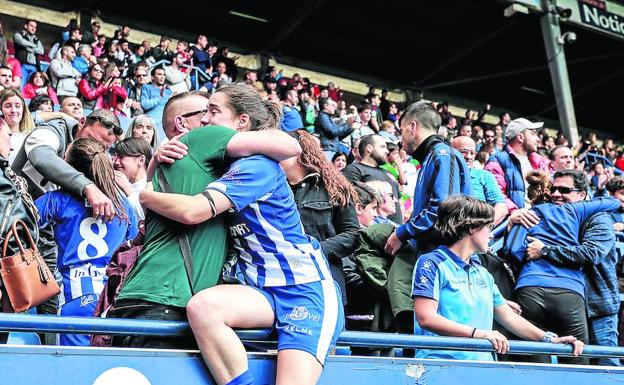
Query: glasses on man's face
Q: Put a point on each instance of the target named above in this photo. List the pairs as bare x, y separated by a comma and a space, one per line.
107, 124
140, 75
192, 113
563, 189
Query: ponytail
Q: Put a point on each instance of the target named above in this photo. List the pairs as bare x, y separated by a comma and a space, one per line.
88, 156
274, 116
103, 175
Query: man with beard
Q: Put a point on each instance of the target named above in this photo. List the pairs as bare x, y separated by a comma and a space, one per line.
443, 173
373, 150
519, 157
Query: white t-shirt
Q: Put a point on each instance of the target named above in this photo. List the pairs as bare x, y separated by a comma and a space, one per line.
526, 166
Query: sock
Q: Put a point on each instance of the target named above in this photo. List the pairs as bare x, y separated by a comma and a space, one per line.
244, 379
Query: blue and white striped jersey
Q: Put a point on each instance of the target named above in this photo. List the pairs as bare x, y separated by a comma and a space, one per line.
265, 225
85, 245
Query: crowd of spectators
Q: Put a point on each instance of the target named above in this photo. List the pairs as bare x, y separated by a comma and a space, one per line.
369, 185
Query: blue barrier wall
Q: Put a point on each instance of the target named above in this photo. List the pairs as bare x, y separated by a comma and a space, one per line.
52, 365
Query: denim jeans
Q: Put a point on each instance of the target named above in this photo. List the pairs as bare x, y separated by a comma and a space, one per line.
27, 71
603, 331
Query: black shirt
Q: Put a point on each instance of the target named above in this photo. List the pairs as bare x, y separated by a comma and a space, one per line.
359, 172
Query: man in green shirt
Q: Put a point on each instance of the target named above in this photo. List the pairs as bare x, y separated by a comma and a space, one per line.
158, 286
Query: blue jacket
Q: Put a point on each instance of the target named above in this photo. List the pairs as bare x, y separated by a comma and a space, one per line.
432, 188
513, 176
152, 103
597, 257
291, 119
81, 64
508, 173
558, 226
329, 132
201, 58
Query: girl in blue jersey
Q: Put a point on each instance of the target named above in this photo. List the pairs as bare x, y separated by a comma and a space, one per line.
85, 244
290, 284
454, 295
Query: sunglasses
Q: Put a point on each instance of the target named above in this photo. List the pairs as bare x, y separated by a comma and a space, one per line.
563, 189
108, 124
189, 114
140, 75
98, 70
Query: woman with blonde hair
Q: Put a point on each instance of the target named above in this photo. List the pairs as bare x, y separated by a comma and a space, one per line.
17, 116
388, 201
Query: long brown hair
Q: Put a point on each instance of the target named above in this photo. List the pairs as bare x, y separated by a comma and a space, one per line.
313, 160
244, 99
89, 156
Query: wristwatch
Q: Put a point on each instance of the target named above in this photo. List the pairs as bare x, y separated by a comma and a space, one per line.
548, 336
544, 251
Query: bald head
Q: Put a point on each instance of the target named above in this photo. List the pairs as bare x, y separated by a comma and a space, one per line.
467, 147
173, 121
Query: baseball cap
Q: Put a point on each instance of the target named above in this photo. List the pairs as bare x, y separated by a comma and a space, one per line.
518, 125
107, 119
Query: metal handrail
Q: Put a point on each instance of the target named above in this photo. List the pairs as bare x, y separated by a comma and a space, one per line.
499, 230
592, 157
55, 324
198, 71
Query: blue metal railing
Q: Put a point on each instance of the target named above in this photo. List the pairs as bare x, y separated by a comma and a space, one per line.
54, 324
592, 157
196, 70
498, 236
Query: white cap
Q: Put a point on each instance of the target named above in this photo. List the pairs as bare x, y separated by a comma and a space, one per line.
516, 126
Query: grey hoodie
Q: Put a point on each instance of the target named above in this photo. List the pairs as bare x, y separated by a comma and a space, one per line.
41, 159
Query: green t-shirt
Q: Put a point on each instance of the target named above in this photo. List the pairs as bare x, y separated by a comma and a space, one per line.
159, 275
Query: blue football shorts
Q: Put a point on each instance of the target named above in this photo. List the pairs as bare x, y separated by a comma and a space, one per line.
308, 317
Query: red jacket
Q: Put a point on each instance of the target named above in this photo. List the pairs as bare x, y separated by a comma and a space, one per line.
92, 98
115, 94
30, 91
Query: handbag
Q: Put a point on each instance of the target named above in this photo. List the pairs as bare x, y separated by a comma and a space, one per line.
28, 280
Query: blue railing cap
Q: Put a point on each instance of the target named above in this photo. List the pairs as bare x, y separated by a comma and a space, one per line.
55, 324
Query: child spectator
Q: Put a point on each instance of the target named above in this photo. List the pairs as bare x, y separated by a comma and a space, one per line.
39, 84
40, 103
367, 203
185, 56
